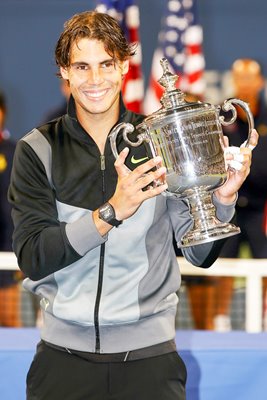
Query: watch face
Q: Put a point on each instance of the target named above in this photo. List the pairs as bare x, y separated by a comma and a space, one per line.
107, 212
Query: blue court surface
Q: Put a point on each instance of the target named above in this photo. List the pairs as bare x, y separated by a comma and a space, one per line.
221, 366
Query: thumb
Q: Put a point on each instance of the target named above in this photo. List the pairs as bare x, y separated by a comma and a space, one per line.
253, 140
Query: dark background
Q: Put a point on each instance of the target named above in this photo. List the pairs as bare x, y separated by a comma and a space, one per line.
29, 30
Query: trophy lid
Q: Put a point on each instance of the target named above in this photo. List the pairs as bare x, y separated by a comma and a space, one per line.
173, 100
172, 97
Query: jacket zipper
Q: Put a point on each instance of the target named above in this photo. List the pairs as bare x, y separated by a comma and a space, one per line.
101, 268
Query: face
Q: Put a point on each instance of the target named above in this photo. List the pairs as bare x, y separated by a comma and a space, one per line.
247, 79
95, 79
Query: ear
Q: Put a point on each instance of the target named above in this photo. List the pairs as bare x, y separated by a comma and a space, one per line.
64, 73
125, 67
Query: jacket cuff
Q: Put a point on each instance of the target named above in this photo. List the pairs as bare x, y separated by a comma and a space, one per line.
83, 234
224, 212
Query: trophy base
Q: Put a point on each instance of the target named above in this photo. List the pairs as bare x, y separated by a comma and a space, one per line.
200, 236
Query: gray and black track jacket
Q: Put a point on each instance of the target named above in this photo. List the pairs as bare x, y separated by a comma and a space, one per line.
98, 294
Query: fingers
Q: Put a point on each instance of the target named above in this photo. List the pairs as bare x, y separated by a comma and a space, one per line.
130, 193
238, 161
147, 166
152, 179
237, 158
149, 175
224, 140
233, 157
144, 174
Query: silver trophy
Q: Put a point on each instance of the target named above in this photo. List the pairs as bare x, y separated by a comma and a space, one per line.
189, 138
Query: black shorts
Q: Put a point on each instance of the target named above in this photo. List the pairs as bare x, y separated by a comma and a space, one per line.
58, 375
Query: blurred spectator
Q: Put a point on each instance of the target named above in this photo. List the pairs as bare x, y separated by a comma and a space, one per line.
9, 280
248, 83
62, 108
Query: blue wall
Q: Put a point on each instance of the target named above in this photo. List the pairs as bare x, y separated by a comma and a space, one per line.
29, 30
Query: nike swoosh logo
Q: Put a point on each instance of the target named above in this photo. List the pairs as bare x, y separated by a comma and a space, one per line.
138, 160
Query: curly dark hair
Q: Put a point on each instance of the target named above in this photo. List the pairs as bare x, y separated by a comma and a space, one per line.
93, 25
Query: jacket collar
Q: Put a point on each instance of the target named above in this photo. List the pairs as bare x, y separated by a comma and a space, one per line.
76, 130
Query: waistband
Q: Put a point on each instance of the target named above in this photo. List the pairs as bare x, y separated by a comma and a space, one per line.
138, 354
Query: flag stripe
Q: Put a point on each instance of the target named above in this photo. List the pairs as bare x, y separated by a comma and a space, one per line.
180, 41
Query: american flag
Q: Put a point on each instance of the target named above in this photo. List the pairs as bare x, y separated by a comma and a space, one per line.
180, 41
127, 14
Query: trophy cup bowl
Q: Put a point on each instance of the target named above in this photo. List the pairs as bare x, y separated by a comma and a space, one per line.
189, 139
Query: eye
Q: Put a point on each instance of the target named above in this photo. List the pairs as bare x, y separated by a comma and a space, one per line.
81, 67
108, 65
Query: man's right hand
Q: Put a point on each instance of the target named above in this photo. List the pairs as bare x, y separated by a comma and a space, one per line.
129, 194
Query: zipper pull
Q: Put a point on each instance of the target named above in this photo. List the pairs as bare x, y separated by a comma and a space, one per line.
102, 163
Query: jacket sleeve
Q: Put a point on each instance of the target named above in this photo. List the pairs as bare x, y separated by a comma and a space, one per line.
41, 242
201, 255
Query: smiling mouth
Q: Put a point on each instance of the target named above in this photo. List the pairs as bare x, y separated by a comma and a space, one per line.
96, 95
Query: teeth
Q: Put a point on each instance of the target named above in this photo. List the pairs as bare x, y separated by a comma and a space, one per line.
96, 95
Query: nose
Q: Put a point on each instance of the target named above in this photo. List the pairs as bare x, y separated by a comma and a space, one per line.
95, 76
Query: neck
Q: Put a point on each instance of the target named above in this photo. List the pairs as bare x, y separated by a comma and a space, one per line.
99, 125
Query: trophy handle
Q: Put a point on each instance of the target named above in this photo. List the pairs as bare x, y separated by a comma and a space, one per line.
127, 128
228, 106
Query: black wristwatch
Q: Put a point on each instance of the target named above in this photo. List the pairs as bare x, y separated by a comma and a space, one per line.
107, 214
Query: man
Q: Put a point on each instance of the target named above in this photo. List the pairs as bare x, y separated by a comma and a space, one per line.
248, 85
9, 282
94, 244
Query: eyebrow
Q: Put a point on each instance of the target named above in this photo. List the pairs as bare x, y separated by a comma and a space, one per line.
77, 63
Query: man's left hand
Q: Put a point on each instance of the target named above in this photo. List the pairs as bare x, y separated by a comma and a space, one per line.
238, 163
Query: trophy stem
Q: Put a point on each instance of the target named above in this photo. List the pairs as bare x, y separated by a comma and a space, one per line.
206, 227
